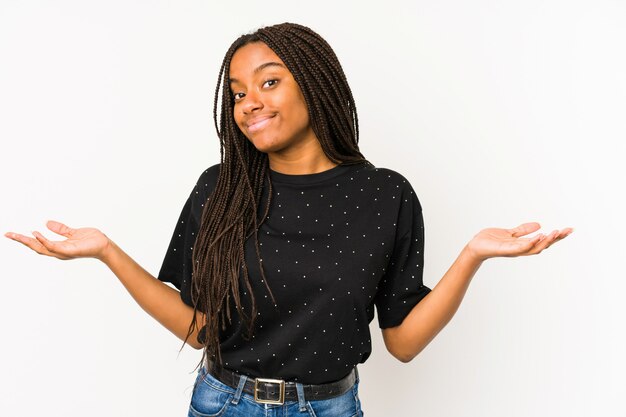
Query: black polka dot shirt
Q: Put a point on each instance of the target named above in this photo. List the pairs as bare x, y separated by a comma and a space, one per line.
335, 245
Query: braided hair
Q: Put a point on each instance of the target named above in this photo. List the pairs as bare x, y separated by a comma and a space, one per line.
230, 214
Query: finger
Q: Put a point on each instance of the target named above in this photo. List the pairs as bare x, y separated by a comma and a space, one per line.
59, 228
29, 242
553, 237
545, 242
524, 229
49, 245
539, 243
560, 236
548, 240
525, 246
563, 234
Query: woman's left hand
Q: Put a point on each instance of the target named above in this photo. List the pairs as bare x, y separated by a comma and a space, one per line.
493, 242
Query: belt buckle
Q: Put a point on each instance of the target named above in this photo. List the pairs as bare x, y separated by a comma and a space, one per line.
281, 393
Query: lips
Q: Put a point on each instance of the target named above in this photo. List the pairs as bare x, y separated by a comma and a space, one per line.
258, 123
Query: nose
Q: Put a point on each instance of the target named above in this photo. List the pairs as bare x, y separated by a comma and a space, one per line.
251, 102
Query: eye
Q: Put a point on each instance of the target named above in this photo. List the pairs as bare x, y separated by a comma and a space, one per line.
238, 96
270, 83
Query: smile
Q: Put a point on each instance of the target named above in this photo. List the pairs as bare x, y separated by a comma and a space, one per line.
259, 124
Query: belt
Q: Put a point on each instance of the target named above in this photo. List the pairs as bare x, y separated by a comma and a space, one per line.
277, 391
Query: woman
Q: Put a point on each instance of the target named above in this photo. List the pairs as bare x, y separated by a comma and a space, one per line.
283, 249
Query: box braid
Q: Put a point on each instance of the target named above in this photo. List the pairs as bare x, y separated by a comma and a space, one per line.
230, 214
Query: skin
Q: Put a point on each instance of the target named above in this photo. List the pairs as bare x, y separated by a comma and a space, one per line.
263, 87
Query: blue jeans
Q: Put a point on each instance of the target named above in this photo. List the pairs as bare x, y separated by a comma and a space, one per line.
212, 398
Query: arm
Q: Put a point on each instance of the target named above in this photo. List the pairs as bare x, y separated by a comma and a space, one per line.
156, 298
435, 310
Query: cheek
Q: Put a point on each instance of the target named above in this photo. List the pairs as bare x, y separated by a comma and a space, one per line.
237, 116
238, 120
299, 111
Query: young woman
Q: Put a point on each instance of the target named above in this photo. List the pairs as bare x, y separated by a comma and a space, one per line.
284, 248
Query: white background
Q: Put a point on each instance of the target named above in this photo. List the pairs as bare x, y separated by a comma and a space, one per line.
498, 112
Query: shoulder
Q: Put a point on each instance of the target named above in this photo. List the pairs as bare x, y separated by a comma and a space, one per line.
210, 174
208, 179
387, 176
205, 184
390, 186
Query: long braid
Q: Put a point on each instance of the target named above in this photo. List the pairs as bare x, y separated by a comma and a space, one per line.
230, 214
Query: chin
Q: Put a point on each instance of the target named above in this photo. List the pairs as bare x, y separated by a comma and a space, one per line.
267, 145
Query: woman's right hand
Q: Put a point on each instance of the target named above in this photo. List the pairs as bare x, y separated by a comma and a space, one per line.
85, 242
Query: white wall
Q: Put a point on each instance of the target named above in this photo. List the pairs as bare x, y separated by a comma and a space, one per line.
498, 112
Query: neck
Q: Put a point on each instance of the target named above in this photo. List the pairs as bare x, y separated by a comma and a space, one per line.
307, 160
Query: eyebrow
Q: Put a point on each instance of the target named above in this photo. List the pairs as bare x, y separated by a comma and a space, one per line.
259, 69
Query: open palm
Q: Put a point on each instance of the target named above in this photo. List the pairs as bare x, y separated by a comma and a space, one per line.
494, 242
86, 242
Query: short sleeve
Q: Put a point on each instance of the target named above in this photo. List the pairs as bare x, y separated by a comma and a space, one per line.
177, 263
402, 287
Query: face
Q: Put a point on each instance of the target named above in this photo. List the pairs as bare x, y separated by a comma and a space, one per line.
269, 107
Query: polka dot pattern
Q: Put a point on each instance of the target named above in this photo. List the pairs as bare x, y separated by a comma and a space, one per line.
336, 245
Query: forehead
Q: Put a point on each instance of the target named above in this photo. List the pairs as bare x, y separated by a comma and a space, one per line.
250, 57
